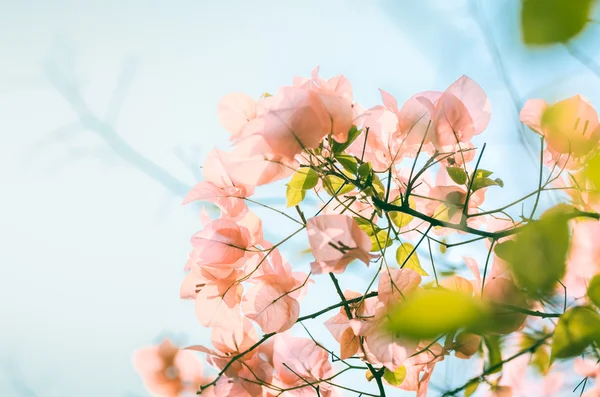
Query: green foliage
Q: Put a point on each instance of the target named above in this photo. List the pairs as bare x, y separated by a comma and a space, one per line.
294, 196
494, 352
537, 255
336, 186
471, 388
303, 179
365, 170
349, 162
546, 22
429, 313
481, 179
396, 377
380, 240
401, 219
540, 359
457, 174
340, 147
408, 261
577, 328
593, 291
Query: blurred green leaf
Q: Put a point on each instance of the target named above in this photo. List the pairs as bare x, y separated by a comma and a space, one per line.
352, 135
538, 253
412, 262
577, 328
334, 185
553, 21
593, 291
426, 314
540, 359
396, 377
348, 162
303, 179
457, 174
494, 350
294, 196
471, 388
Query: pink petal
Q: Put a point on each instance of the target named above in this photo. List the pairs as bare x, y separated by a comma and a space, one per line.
235, 110
532, 112
474, 99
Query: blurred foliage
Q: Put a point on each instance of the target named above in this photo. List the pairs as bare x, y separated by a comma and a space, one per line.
546, 22
538, 253
577, 328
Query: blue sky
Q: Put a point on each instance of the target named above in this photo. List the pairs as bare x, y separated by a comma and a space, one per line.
93, 238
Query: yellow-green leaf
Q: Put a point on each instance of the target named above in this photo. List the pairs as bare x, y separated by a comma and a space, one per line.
471, 388
494, 350
294, 196
457, 174
553, 21
577, 328
396, 377
380, 240
339, 147
348, 162
428, 313
400, 219
303, 179
336, 186
538, 253
408, 259
593, 291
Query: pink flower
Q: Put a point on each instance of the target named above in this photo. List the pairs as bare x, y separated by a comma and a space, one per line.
218, 187
419, 367
168, 371
395, 283
336, 240
235, 110
299, 361
222, 244
447, 118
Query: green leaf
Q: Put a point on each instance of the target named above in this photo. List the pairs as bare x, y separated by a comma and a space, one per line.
368, 227
482, 182
428, 313
553, 21
593, 291
396, 377
409, 262
365, 170
352, 135
457, 174
336, 186
481, 173
577, 328
400, 219
294, 196
305, 178
494, 350
380, 240
348, 162
378, 186
538, 253
471, 388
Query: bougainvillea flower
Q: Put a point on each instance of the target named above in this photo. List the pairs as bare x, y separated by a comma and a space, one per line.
168, 371
395, 283
419, 368
299, 361
447, 118
336, 240
222, 243
583, 261
218, 187
235, 111
569, 126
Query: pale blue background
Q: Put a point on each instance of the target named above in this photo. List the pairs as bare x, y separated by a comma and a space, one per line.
92, 234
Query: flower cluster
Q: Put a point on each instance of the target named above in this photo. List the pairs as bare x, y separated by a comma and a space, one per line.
386, 176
